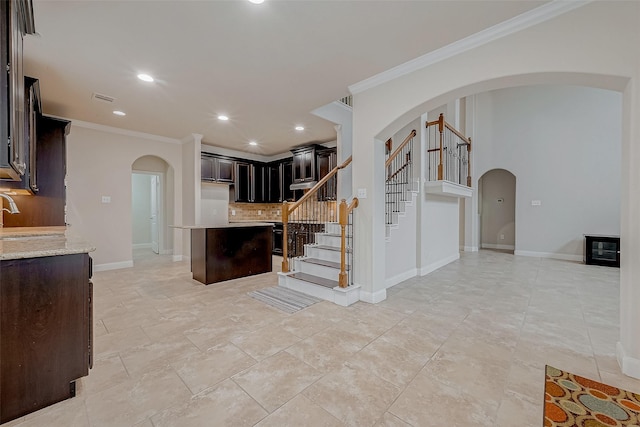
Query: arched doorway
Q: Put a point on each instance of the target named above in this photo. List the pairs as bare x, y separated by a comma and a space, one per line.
151, 206
497, 200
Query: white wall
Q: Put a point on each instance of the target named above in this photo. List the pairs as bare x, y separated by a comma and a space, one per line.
441, 244
563, 143
141, 209
99, 163
497, 191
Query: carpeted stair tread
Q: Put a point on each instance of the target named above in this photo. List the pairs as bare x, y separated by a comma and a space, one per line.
327, 283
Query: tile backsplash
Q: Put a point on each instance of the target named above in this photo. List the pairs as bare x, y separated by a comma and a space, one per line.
255, 212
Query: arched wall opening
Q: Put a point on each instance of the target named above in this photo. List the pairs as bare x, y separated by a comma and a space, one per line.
497, 201
153, 204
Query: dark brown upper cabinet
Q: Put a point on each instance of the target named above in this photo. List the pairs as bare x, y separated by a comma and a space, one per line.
216, 169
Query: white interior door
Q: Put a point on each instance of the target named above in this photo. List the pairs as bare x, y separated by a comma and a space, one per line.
155, 185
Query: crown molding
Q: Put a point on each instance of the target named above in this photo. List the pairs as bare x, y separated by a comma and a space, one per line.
518, 23
120, 131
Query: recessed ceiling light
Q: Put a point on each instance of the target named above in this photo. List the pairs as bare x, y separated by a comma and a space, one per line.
253, 143
119, 113
257, 1
299, 127
145, 77
223, 117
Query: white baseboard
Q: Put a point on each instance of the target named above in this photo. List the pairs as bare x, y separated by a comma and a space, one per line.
177, 258
113, 266
494, 246
166, 252
553, 255
399, 278
141, 245
469, 248
373, 297
436, 265
629, 365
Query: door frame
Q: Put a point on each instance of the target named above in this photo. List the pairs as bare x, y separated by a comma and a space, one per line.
160, 199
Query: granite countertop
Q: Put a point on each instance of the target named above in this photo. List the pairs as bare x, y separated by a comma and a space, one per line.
34, 242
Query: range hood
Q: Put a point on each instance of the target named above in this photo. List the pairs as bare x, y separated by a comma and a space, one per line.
303, 185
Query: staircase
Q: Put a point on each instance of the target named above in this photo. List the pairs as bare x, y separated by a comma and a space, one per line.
317, 272
403, 197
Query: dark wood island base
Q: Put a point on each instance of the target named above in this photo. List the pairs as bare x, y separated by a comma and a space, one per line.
231, 251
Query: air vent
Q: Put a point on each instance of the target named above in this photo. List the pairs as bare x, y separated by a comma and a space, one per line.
102, 98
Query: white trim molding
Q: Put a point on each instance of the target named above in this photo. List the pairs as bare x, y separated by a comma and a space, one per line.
399, 278
119, 131
629, 365
469, 248
494, 246
448, 188
178, 258
553, 255
113, 265
438, 264
525, 20
373, 297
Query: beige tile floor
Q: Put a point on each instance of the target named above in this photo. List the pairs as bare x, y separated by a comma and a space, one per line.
463, 346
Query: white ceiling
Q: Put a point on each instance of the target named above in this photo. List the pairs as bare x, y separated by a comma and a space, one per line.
265, 66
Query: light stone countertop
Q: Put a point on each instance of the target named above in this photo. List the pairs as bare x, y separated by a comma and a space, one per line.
34, 242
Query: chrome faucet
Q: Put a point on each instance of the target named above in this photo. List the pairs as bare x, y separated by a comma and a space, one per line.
13, 208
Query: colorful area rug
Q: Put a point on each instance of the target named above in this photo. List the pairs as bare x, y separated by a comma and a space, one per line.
284, 299
571, 400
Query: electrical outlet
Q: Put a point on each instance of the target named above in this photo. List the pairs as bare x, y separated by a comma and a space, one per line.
106, 199
259, 212
502, 237
536, 203
233, 212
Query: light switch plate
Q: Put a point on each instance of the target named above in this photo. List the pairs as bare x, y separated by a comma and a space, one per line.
536, 203
362, 193
106, 199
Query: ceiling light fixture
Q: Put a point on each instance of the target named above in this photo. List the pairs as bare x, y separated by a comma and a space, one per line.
145, 77
257, 1
223, 117
299, 127
253, 143
119, 113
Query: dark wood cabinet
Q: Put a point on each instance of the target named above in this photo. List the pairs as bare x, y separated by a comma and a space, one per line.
602, 250
304, 164
16, 22
47, 207
243, 186
286, 179
326, 160
216, 169
225, 253
32, 112
260, 184
45, 331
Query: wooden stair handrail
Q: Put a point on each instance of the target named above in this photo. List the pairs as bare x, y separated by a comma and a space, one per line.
395, 153
287, 210
343, 218
315, 188
442, 124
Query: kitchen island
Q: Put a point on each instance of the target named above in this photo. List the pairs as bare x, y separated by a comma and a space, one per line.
230, 251
45, 317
